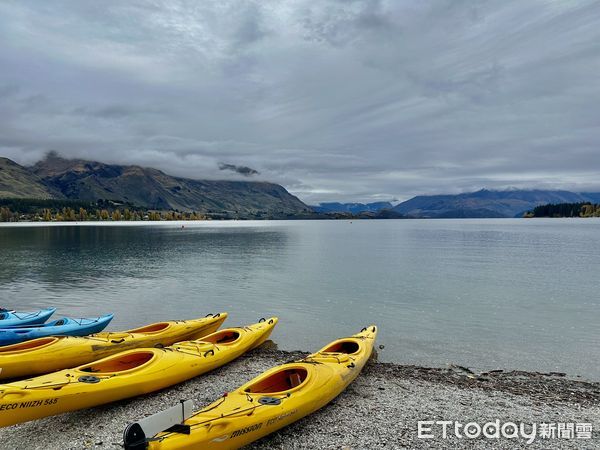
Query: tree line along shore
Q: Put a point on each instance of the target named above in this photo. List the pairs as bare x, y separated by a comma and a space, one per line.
566, 210
59, 210
65, 210
51, 210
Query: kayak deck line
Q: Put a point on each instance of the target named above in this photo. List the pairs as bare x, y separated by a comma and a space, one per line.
23, 316
11, 318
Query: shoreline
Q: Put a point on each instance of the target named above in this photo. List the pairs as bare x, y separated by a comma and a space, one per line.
252, 222
380, 409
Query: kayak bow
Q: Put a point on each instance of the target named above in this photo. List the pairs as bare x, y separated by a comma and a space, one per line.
17, 319
62, 327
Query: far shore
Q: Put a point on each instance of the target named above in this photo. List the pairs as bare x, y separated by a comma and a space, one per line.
381, 409
255, 222
131, 223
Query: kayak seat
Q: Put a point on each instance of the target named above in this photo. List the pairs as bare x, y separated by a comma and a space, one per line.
295, 380
222, 337
154, 328
27, 345
58, 323
348, 347
119, 363
280, 381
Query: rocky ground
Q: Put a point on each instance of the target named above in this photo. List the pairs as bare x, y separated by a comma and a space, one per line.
380, 409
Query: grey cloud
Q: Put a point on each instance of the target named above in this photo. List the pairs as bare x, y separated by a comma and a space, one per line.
242, 170
336, 100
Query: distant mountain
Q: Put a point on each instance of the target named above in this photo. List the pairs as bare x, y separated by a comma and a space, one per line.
56, 177
593, 197
18, 182
354, 208
153, 189
484, 203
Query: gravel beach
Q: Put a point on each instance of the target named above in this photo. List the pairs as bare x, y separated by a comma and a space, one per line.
380, 409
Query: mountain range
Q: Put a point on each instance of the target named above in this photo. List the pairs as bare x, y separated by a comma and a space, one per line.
480, 204
76, 179
55, 177
487, 203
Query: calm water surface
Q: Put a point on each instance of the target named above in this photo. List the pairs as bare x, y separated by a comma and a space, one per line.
484, 293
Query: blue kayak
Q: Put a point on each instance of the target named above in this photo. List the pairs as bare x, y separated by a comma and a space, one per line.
63, 327
17, 319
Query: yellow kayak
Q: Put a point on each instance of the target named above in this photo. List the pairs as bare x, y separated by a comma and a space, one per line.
278, 397
126, 374
49, 354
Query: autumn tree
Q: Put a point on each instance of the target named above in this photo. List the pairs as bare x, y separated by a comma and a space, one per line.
587, 210
116, 215
5, 214
68, 214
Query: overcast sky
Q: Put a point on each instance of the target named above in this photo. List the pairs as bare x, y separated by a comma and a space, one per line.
336, 100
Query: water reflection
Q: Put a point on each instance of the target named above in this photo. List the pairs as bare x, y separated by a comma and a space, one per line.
78, 256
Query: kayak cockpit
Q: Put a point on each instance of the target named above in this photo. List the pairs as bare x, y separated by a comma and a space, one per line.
223, 337
119, 363
153, 328
281, 381
342, 346
28, 345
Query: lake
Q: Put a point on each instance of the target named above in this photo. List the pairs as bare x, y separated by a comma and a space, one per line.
485, 293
